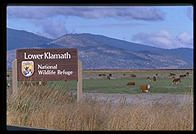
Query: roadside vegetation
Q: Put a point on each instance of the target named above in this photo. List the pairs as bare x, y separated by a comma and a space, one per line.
54, 106
57, 109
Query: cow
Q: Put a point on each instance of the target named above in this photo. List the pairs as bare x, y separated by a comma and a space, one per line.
187, 73
102, 74
156, 74
145, 88
108, 77
124, 74
182, 76
176, 80
130, 83
133, 75
149, 78
172, 74
154, 78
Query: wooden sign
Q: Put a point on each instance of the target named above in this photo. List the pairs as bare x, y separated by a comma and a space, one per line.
47, 64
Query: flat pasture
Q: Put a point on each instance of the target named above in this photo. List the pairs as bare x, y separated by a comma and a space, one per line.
93, 83
118, 82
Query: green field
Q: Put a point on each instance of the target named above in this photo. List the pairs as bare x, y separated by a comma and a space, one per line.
92, 82
54, 107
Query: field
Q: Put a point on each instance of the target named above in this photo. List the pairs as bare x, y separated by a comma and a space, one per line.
92, 82
54, 105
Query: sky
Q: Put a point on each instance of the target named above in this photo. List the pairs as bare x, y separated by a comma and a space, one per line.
159, 26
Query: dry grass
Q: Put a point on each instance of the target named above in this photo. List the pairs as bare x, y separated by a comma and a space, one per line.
55, 109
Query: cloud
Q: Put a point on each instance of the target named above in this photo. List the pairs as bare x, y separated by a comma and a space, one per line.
185, 38
51, 28
47, 17
88, 12
189, 13
164, 39
114, 25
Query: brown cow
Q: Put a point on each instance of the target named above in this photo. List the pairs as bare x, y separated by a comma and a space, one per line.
130, 83
108, 77
149, 78
102, 74
187, 73
145, 88
133, 75
176, 80
172, 74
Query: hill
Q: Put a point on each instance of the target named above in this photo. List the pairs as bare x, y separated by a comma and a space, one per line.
22, 39
101, 52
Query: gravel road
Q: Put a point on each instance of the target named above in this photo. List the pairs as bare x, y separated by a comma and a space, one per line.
145, 98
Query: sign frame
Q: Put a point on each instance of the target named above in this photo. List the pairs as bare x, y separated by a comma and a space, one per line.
33, 64
15, 78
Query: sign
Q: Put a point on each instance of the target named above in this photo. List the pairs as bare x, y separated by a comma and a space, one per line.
47, 64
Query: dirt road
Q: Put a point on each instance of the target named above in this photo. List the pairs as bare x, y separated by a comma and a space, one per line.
145, 98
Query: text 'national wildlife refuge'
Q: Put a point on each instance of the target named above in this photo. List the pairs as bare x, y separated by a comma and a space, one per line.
47, 64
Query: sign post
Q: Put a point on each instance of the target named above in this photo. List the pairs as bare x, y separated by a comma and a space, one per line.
47, 65
79, 83
14, 78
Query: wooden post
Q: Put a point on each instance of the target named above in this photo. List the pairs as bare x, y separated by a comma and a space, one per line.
79, 83
14, 78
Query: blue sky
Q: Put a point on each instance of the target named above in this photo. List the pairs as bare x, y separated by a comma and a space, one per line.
159, 26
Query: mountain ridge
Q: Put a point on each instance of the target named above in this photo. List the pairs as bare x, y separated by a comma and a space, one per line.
15, 39
101, 52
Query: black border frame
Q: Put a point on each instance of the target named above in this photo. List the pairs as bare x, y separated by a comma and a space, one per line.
3, 49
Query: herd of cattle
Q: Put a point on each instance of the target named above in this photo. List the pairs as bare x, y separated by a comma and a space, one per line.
146, 88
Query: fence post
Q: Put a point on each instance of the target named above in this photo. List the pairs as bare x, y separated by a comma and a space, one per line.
79, 83
14, 78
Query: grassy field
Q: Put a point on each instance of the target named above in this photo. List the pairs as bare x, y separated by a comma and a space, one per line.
92, 82
54, 106
118, 83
